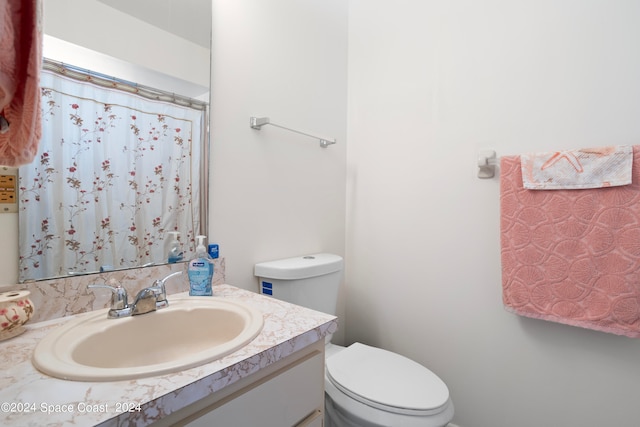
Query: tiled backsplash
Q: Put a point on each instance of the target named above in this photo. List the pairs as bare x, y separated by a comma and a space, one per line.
69, 295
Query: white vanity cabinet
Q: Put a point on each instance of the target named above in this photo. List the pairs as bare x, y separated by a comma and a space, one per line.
288, 393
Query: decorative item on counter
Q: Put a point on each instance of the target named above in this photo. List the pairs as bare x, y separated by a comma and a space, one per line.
15, 310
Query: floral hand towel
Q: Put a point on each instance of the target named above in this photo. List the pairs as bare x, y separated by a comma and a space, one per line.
578, 169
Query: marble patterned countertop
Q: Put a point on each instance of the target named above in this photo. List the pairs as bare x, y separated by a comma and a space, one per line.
31, 398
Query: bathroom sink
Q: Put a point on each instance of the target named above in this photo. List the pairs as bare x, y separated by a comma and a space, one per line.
192, 331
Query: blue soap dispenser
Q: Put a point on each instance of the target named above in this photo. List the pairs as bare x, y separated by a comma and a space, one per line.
200, 271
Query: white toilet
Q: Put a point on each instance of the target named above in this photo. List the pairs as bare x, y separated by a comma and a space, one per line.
365, 386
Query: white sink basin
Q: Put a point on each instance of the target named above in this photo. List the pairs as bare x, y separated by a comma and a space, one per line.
192, 331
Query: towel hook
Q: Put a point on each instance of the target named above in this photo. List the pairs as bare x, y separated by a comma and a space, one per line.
487, 162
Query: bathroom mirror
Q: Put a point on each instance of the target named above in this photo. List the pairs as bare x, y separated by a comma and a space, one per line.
163, 44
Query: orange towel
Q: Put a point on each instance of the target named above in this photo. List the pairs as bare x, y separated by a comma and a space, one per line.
20, 64
572, 256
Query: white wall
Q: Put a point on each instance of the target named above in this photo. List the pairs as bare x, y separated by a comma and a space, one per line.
430, 84
96, 26
274, 193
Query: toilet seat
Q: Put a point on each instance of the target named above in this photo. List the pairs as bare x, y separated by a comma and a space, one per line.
387, 381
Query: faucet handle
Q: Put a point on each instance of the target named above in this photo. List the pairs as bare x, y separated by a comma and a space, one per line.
161, 282
119, 298
160, 291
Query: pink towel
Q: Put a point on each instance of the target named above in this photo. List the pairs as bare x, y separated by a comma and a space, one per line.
572, 256
20, 63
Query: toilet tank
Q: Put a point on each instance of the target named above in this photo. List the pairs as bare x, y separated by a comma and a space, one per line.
311, 281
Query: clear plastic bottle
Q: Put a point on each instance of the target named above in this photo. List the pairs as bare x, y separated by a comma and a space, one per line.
175, 252
200, 271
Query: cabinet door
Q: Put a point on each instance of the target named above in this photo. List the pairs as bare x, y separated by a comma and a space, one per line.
293, 396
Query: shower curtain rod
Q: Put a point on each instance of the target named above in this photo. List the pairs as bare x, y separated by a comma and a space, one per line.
104, 80
258, 122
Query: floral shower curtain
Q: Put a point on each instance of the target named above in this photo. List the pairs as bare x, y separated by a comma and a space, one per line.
114, 173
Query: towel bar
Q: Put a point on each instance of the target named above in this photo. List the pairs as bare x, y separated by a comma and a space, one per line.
258, 122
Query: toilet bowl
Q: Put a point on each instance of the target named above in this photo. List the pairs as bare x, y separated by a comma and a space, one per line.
364, 386
370, 387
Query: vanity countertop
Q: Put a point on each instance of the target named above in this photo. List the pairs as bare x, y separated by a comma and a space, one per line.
31, 398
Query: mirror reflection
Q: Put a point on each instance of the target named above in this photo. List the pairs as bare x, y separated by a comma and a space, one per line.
116, 172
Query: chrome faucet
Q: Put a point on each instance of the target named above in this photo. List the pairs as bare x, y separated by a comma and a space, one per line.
147, 300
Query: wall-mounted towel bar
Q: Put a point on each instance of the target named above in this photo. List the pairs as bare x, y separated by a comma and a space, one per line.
487, 162
258, 122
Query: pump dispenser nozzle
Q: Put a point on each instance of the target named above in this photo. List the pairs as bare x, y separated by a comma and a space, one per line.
200, 246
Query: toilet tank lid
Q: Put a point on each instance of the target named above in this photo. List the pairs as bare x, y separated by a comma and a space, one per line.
299, 267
